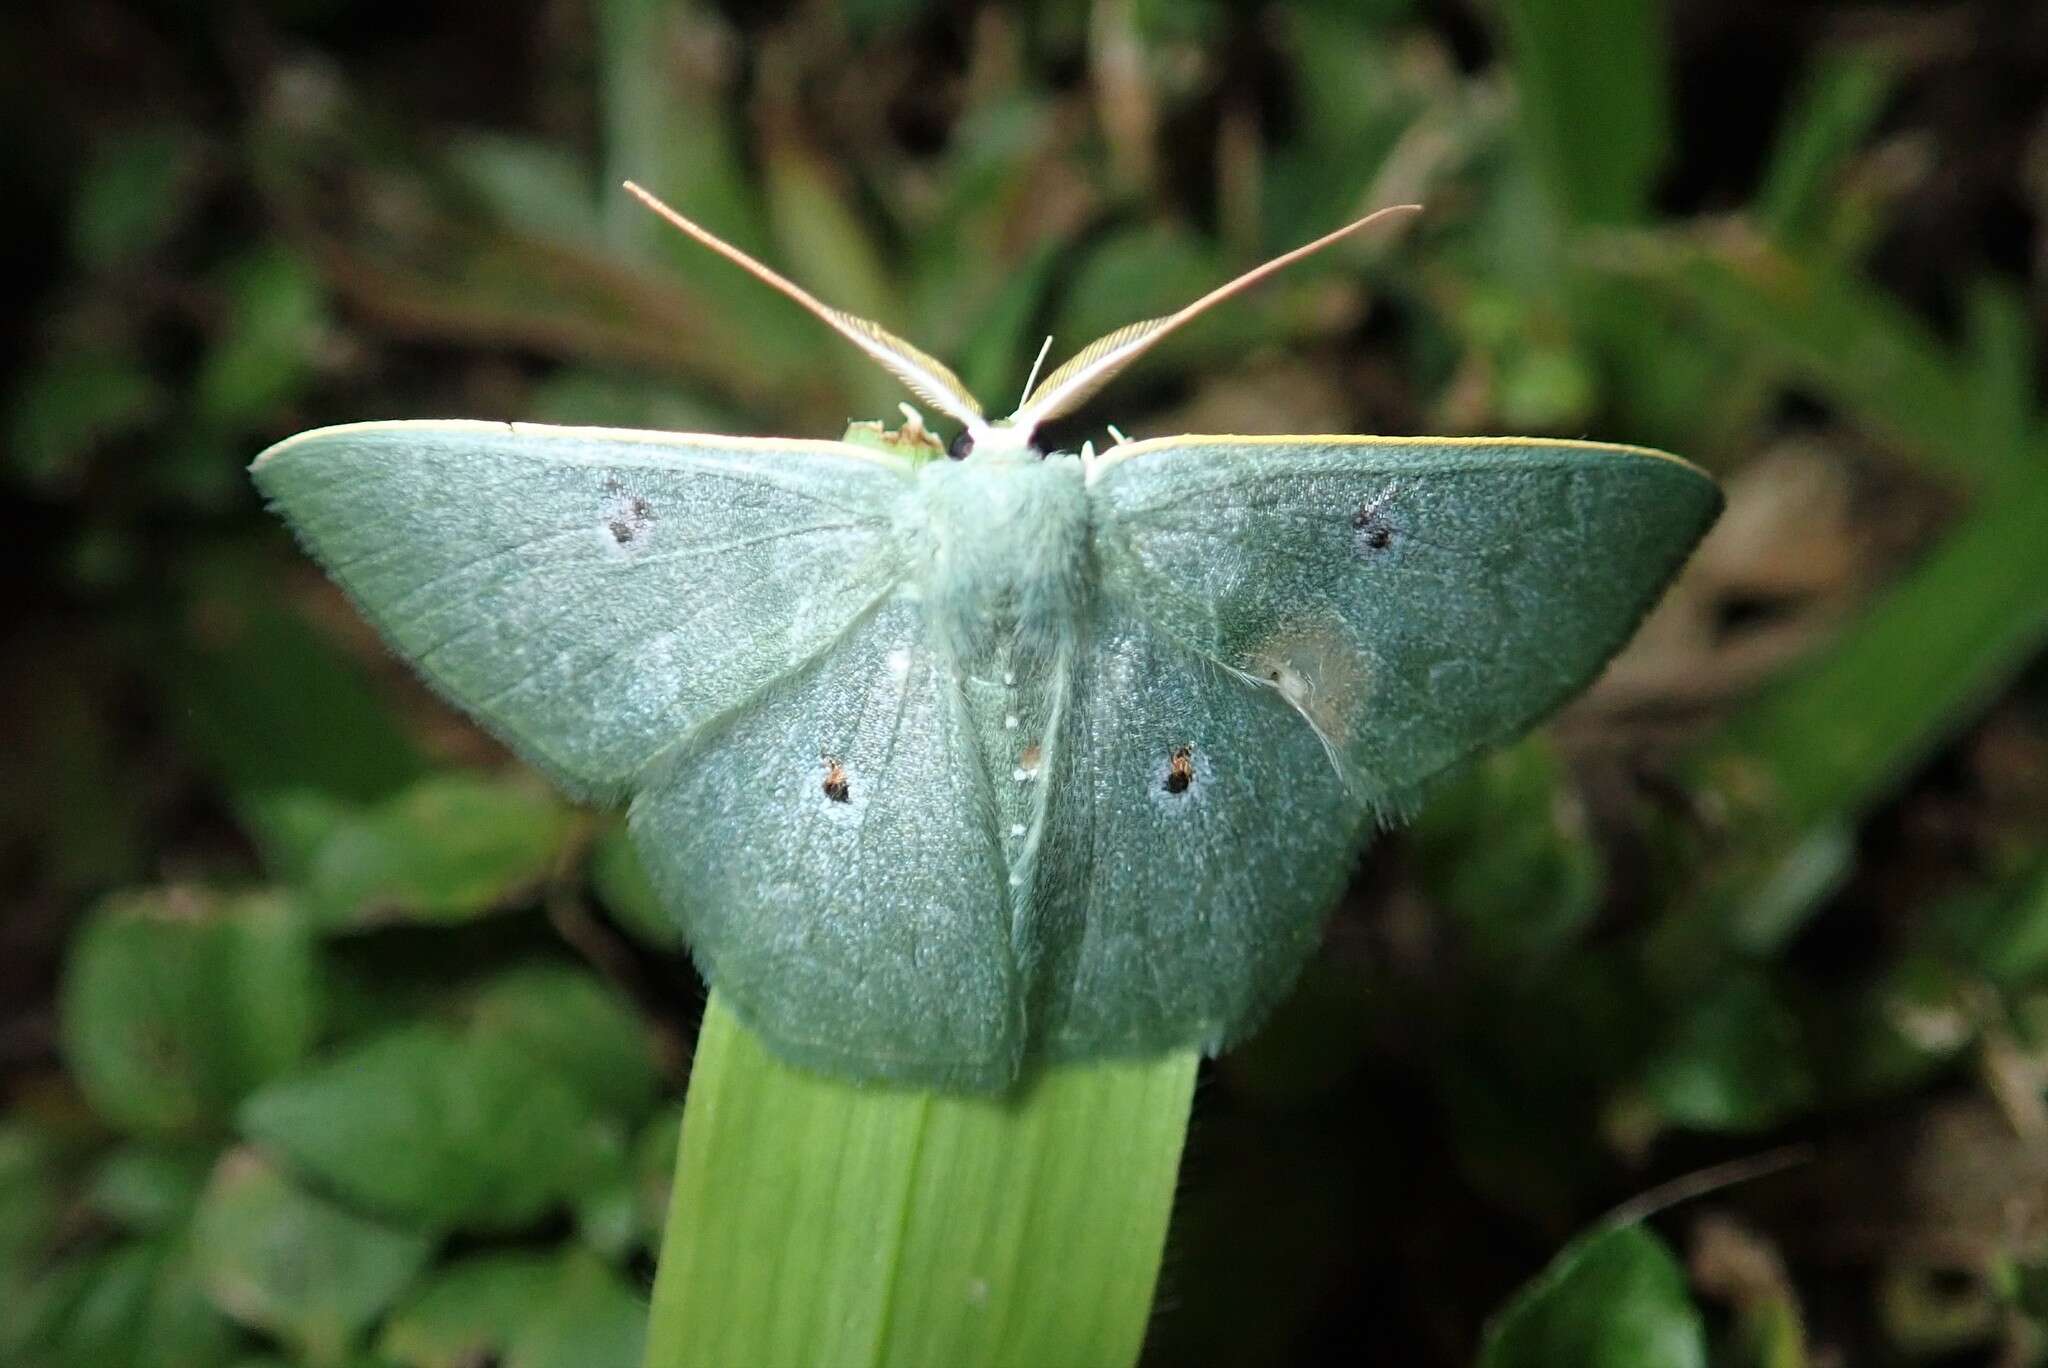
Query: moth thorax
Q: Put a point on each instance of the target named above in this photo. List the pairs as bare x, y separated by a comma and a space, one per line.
1009, 549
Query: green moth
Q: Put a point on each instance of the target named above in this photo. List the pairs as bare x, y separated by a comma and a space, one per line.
949, 765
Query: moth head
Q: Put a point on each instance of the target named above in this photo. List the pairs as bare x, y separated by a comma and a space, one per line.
994, 439
1065, 390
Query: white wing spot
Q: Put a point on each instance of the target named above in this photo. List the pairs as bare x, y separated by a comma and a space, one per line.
1009, 677
1016, 828
899, 662
1011, 722
1319, 674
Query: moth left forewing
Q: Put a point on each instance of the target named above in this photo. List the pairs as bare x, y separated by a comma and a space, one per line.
593, 594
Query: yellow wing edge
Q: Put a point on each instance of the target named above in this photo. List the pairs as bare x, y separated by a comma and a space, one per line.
650, 437
1127, 450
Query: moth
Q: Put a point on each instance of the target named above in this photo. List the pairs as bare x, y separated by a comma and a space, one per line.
950, 759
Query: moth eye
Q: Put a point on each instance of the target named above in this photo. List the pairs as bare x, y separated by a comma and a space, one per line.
1180, 770
961, 445
837, 787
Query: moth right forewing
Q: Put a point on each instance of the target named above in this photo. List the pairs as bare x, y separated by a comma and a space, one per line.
592, 595
830, 850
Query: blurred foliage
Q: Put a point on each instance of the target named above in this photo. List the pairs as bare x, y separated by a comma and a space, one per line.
328, 1037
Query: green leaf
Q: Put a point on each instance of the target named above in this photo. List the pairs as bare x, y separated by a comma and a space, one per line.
449, 848
1864, 350
136, 191
623, 887
138, 1304
282, 1260
540, 187
1790, 768
435, 1129
279, 714
1505, 848
1836, 108
2000, 360
175, 1004
654, 1168
65, 407
577, 1028
1591, 79
520, 1310
818, 1221
1612, 1299
1735, 1061
148, 1187
276, 310
2003, 935
606, 398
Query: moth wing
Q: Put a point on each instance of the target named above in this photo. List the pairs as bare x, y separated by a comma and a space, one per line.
1324, 624
592, 595
1195, 834
1413, 600
833, 854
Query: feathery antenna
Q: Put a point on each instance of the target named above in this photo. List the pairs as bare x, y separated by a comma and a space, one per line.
1099, 362
927, 377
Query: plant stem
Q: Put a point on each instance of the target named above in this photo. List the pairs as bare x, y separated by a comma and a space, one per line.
819, 1221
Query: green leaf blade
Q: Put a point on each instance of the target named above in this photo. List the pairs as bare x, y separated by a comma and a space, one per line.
1613, 1299
946, 1229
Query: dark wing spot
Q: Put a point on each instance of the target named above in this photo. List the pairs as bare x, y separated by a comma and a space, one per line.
837, 787
1375, 533
1180, 771
1369, 520
626, 516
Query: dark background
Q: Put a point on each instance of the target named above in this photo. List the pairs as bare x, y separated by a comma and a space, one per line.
1777, 880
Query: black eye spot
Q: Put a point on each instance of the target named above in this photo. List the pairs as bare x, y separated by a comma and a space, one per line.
961, 445
1180, 770
837, 787
622, 531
